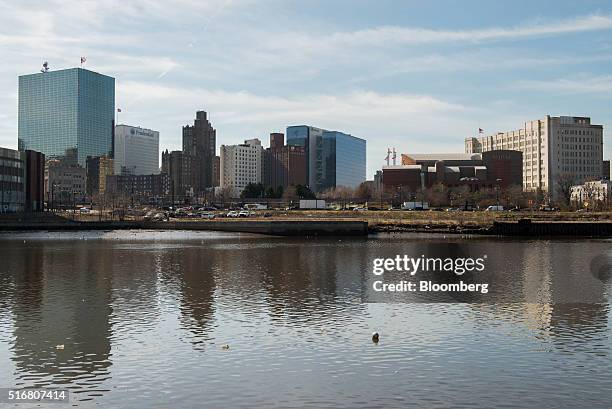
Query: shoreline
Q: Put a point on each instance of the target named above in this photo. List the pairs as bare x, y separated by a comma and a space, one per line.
335, 226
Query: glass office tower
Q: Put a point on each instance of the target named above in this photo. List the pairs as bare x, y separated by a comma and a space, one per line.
333, 158
67, 114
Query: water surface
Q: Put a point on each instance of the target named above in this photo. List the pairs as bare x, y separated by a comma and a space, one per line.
146, 318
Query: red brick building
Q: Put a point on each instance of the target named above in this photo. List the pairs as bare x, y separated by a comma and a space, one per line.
501, 168
283, 165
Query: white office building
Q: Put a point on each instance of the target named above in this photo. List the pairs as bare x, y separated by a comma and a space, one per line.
136, 151
241, 165
556, 150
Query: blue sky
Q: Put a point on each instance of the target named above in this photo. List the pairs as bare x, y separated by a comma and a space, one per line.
415, 75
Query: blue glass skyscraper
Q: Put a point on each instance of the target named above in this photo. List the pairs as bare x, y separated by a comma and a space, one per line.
67, 114
333, 158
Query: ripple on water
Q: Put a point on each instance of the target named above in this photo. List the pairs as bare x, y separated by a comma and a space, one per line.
144, 317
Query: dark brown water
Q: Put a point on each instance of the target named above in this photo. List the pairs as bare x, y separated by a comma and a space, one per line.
144, 317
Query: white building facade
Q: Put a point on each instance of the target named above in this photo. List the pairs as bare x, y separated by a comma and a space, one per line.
592, 194
136, 151
556, 150
241, 165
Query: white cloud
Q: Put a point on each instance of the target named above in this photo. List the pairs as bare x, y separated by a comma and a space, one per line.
406, 121
579, 85
172, 58
405, 35
305, 44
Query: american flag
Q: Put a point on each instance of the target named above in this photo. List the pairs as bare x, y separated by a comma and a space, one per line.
118, 109
83, 59
480, 130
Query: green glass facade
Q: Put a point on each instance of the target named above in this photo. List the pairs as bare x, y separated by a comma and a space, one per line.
67, 114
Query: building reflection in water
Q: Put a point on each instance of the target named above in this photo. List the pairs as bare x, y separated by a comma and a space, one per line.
554, 292
61, 308
548, 286
294, 282
91, 295
196, 286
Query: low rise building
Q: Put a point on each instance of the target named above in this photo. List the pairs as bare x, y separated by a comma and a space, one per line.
98, 169
378, 181
65, 184
12, 181
21, 181
592, 194
501, 168
35, 181
139, 188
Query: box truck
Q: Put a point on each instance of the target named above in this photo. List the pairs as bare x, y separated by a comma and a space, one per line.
312, 204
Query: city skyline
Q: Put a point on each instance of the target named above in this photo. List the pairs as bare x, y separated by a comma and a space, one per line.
396, 74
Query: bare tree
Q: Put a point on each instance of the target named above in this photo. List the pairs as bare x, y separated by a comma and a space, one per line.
437, 195
590, 195
515, 196
345, 194
364, 191
329, 194
223, 194
564, 187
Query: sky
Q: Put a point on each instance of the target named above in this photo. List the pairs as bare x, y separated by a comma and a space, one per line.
420, 76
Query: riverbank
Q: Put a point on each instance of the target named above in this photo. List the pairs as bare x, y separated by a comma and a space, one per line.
268, 227
328, 223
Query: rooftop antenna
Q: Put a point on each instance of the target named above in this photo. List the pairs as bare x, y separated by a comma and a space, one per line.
45, 67
388, 155
394, 157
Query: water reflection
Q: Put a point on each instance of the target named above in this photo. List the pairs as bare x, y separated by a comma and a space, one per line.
143, 314
61, 324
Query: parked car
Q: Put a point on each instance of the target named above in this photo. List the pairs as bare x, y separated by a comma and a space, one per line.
159, 217
207, 215
243, 213
267, 214
85, 210
232, 213
494, 208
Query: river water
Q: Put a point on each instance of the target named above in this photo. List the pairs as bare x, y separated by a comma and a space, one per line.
202, 319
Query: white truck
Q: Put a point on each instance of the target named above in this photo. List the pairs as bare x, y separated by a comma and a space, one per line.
255, 206
415, 206
312, 204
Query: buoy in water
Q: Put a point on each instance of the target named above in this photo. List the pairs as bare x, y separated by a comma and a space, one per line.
375, 337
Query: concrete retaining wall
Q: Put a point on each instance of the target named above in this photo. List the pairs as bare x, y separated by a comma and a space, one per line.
526, 227
272, 227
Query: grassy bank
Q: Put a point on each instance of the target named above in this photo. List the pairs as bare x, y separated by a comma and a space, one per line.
378, 221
